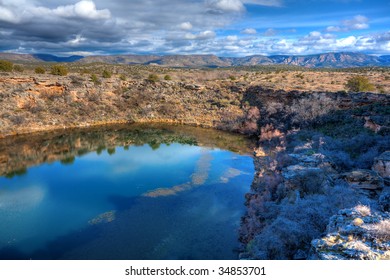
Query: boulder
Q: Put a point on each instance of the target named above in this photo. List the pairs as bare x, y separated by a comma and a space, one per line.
298, 170
372, 125
354, 234
364, 179
382, 164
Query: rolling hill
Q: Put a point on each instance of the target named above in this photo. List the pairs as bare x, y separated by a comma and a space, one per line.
330, 60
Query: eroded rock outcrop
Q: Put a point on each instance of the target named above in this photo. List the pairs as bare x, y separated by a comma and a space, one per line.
50, 102
357, 234
306, 181
382, 165
364, 179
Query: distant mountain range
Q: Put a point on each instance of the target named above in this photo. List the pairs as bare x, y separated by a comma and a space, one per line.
335, 60
53, 58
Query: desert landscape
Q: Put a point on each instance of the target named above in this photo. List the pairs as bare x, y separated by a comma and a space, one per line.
320, 146
100, 93
202, 130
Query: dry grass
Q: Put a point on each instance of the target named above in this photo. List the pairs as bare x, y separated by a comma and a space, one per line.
318, 81
381, 230
363, 210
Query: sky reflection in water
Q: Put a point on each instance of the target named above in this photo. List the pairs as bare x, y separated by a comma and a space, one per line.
177, 201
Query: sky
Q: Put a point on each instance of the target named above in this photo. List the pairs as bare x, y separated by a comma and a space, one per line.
232, 28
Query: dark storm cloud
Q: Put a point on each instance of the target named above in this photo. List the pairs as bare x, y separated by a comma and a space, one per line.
39, 26
170, 26
126, 25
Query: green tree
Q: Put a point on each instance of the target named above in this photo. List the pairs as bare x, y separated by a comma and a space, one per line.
59, 70
359, 84
106, 74
40, 70
6, 66
95, 79
111, 151
153, 78
68, 161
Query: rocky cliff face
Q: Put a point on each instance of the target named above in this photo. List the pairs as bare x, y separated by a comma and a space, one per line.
35, 103
382, 165
356, 234
302, 179
360, 233
293, 197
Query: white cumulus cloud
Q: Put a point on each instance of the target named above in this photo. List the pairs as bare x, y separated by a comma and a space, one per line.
232, 38
83, 9
225, 5
346, 42
186, 26
7, 15
359, 22
205, 35
333, 29
239, 5
249, 31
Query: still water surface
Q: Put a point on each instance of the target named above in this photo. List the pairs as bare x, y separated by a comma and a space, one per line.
137, 192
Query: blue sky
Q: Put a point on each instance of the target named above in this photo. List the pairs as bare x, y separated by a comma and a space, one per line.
220, 27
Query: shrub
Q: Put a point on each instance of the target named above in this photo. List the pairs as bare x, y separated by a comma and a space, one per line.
359, 84
153, 78
297, 224
68, 161
380, 88
40, 70
167, 78
364, 210
111, 151
106, 74
19, 172
85, 71
381, 230
307, 110
309, 182
6, 66
18, 68
93, 97
77, 80
384, 201
95, 79
340, 159
122, 77
17, 120
300, 76
59, 70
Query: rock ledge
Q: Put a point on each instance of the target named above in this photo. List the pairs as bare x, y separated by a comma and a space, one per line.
355, 234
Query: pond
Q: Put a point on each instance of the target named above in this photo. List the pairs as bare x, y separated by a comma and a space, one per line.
123, 192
